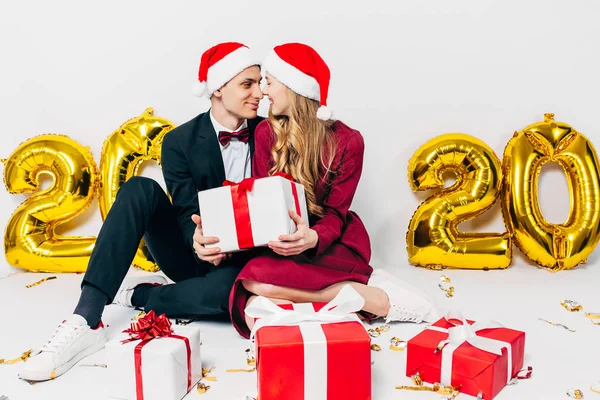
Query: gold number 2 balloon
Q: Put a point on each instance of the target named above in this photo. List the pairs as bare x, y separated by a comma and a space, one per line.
553, 246
433, 238
30, 240
137, 140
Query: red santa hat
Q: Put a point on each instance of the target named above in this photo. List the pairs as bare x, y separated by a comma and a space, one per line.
220, 64
301, 68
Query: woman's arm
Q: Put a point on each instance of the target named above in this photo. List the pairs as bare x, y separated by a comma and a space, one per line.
336, 205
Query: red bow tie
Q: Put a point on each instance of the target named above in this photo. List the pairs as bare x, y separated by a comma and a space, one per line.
242, 135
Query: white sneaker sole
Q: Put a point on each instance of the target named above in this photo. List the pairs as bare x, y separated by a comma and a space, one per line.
38, 376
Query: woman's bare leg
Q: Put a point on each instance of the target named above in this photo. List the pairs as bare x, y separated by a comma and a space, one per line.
376, 300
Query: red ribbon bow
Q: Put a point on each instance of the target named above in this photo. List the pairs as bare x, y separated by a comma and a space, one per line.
149, 327
245, 185
146, 329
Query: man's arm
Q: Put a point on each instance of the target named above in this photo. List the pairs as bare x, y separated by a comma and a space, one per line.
180, 185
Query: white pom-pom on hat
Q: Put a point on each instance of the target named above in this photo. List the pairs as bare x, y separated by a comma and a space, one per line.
199, 89
324, 113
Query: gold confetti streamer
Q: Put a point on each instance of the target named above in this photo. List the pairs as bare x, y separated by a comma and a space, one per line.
595, 387
571, 305
376, 332
417, 380
561, 325
142, 314
240, 370
435, 267
23, 357
397, 344
437, 388
250, 359
375, 347
207, 371
40, 282
449, 291
575, 393
202, 388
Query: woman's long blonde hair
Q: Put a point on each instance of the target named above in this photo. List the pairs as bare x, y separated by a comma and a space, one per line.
303, 144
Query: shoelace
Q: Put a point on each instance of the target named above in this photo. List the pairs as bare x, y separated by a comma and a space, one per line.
402, 314
63, 335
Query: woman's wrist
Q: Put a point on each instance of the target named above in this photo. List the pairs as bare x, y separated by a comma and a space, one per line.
314, 238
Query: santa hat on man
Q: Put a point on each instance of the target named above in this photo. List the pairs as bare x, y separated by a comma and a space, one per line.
220, 64
301, 68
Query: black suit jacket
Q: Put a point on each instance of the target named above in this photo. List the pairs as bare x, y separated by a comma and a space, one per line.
192, 162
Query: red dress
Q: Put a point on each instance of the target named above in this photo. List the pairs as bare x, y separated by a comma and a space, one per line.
344, 249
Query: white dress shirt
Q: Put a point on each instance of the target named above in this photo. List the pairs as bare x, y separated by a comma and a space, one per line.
236, 155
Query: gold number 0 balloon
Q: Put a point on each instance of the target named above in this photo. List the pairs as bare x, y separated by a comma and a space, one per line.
553, 246
137, 140
30, 241
433, 239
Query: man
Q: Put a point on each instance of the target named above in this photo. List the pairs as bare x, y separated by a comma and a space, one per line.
198, 155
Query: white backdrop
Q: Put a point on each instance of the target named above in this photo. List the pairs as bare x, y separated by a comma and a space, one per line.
402, 72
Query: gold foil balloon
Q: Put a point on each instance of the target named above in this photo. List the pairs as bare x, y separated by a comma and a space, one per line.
30, 241
552, 246
137, 140
433, 238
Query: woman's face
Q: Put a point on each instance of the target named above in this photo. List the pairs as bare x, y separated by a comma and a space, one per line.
278, 94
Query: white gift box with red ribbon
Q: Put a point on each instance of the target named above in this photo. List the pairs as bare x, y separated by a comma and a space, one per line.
164, 368
252, 212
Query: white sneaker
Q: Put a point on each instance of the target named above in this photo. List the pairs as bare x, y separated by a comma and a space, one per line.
123, 296
406, 302
72, 341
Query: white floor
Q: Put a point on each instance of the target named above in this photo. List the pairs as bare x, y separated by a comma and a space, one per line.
516, 297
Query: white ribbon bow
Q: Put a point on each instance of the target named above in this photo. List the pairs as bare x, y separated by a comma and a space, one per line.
341, 309
458, 334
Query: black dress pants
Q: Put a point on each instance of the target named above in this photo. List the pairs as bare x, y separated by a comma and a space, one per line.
143, 210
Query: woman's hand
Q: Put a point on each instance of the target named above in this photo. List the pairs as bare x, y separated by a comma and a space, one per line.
303, 239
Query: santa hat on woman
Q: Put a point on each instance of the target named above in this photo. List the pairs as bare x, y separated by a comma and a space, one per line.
220, 64
301, 68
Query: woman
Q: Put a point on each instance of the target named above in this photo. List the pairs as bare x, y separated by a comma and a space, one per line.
326, 156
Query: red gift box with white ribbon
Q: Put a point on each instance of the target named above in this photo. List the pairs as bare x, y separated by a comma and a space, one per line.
481, 357
312, 351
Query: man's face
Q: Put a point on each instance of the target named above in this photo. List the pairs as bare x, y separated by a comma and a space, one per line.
241, 95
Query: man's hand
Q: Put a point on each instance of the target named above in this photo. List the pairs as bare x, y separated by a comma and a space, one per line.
303, 239
212, 255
